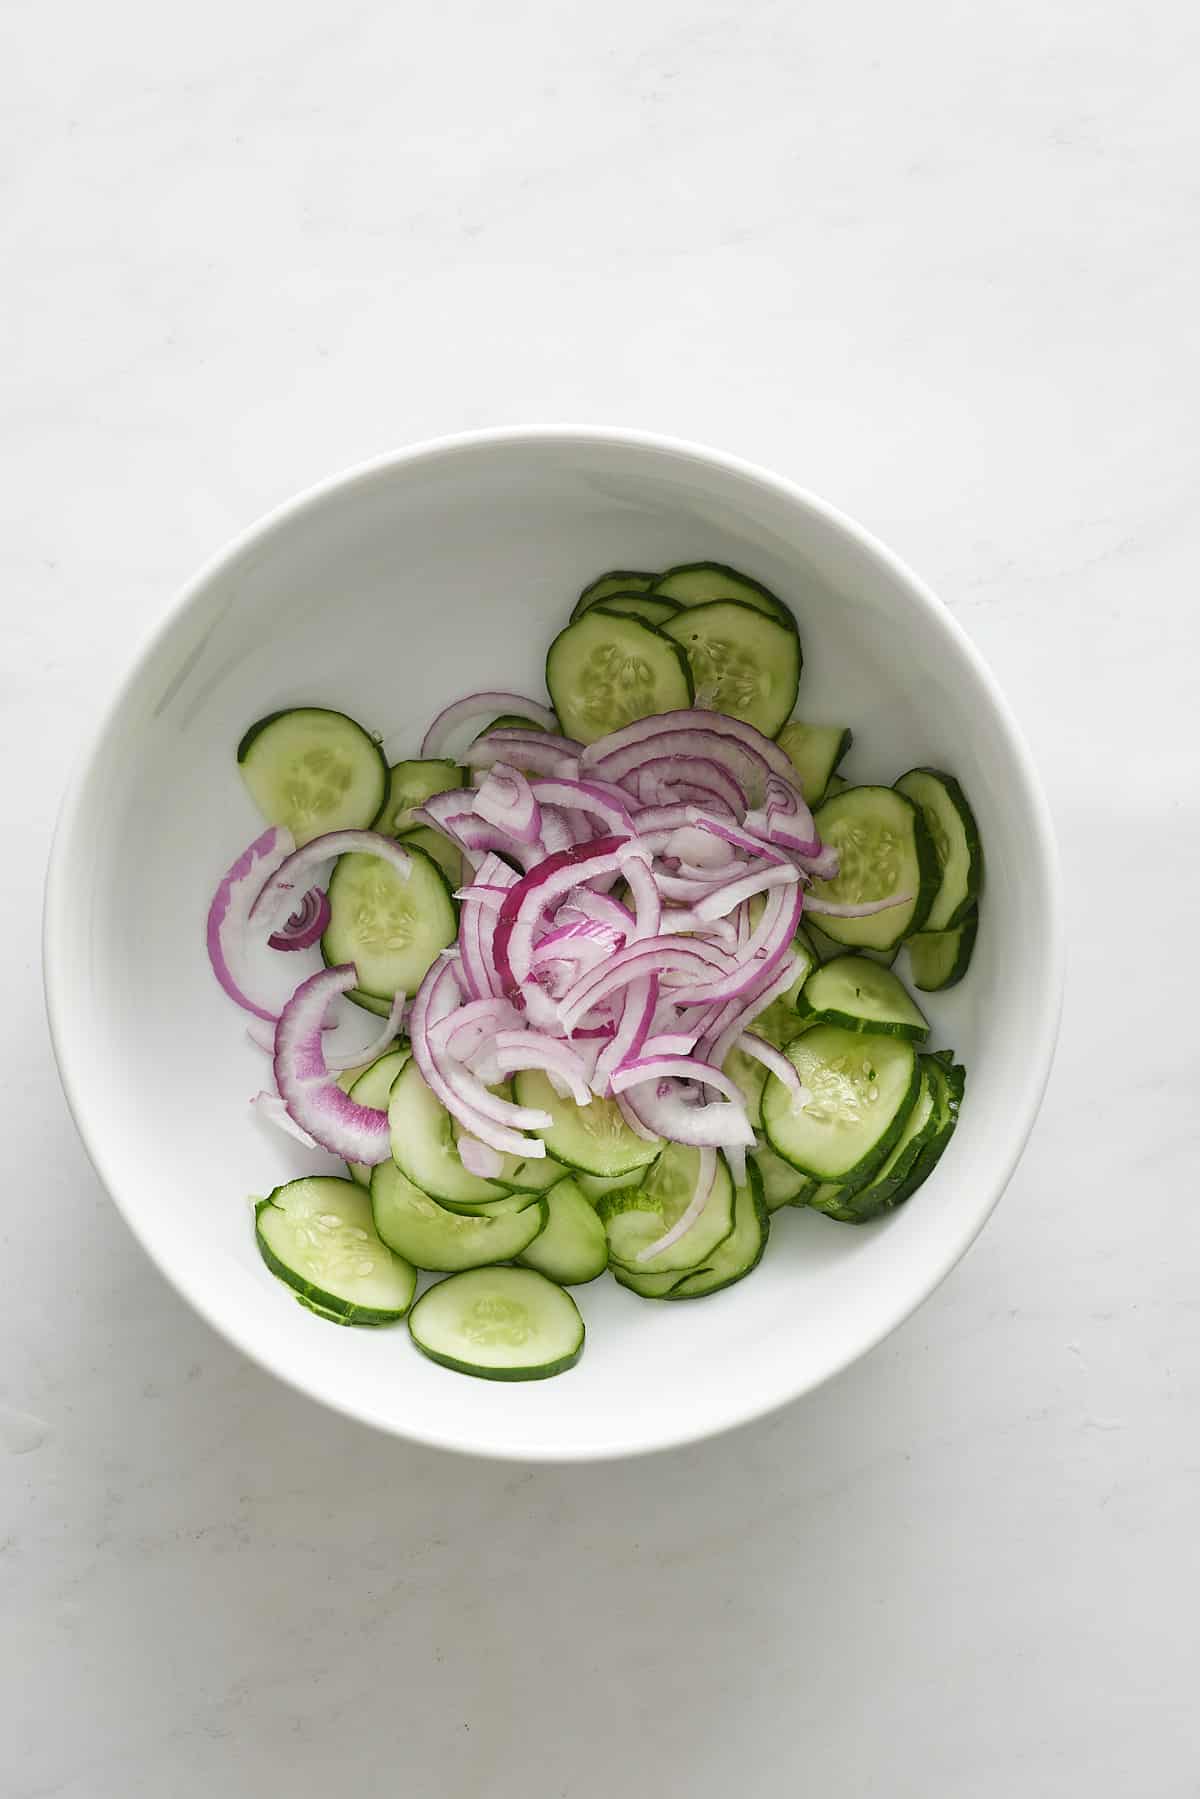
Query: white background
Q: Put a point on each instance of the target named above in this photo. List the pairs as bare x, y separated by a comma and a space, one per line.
938, 262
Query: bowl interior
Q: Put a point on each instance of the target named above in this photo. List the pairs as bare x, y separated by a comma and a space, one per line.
387, 594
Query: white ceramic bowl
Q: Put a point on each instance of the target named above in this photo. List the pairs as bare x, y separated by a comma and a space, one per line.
387, 592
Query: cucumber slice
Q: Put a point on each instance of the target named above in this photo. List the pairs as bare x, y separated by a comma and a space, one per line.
313, 771
604, 671
742, 1250
445, 1242
595, 1186
743, 663
861, 996
836, 784
372, 1088
391, 927
530, 1174
646, 606
941, 958
439, 849
617, 580
594, 1139
815, 751
410, 784
699, 583
827, 1198
423, 1146
951, 825
509, 721
573, 1248
635, 1217
884, 848
652, 1286
499, 1323
861, 1090
782, 1184
948, 1079
317, 1234
861, 1204
750, 1077
826, 949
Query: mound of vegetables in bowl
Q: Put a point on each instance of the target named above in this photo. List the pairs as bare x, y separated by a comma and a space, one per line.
631, 957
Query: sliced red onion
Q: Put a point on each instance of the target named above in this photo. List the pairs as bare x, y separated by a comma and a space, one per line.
721, 903
588, 797
735, 1156
669, 1043
677, 919
285, 882
600, 906
272, 1108
437, 995
227, 930
637, 1015
768, 944
655, 779
313, 1098
487, 893
505, 798
479, 1158
722, 1030
779, 1064
669, 1113
706, 1175
621, 763
532, 897
681, 1068
824, 866
654, 955
633, 1121
534, 752
306, 924
338, 1060
532, 1049
481, 705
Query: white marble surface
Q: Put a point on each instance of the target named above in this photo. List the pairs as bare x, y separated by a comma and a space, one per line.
940, 263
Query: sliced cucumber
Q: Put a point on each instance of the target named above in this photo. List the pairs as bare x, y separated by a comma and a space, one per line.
951, 825
941, 958
317, 1234
782, 1184
594, 1139
500, 1323
424, 1149
826, 949
410, 784
948, 1079
390, 926
815, 751
573, 1248
699, 583
860, 1204
652, 1286
369, 1003
884, 848
617, 580
604, 671
826, 1197
510, 721
313, 771
433, 1237
595, 1186
439, 849
530, 1174
836, 784
635, 1217
372, 1088
861, 1090
743, 662
858, 994
750, 1077
646, 606
742, 1250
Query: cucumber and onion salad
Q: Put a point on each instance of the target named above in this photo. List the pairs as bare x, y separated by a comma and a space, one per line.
605, 1036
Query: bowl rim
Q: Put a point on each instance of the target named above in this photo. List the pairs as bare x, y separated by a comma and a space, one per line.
1043, 1027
